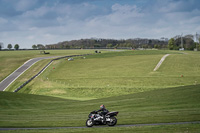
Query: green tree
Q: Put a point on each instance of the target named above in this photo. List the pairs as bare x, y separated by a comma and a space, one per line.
117, 45
67, 47
196, 45
1, 45
34, 46
9, 46
145, 46
16, 46
97, 45
128, 45
62, 46
155, 45
171, 44
109, 45
40, 46
189, 44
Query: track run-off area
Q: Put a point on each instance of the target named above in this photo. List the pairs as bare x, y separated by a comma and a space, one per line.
13, 76
104, 126
18, 72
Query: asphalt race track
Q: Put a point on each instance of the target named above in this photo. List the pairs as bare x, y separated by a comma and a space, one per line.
13, 76
134, 125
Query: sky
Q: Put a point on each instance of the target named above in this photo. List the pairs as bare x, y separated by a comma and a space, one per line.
28, 22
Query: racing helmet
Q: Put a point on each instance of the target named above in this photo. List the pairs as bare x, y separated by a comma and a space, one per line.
102, 106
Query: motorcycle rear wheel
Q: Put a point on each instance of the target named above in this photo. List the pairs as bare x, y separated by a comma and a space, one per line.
112, 122
89, 122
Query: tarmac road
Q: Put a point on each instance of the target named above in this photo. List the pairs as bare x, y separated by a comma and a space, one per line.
134, 125
13, 76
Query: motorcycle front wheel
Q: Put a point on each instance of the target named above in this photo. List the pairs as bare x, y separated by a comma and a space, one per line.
112, 122
89, 122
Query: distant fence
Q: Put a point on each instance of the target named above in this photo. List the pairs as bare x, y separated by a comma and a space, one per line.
25, 83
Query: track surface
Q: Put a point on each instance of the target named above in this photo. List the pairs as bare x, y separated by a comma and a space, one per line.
134, 125
13, 76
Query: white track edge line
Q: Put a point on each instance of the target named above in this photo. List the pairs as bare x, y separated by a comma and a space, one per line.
160, 62
20, 74
44, 69
15, 70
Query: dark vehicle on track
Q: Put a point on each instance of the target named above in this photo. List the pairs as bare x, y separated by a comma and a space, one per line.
96, 119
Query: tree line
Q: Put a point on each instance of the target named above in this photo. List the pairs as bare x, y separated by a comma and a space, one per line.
9, 46
109, 43
186, 42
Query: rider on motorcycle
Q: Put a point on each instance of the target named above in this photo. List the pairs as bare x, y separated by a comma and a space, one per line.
103, 111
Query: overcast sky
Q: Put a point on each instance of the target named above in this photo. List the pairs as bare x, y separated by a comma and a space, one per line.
28, 22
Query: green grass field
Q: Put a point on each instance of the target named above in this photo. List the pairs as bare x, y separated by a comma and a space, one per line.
123, 81
162, 105
114, 74
191, 128
16, 58
187, 128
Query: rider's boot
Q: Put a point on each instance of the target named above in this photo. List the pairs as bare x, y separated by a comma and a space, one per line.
104, 120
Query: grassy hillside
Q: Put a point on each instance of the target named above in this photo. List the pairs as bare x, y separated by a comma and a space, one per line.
28, 74
114, 74
122, 81
191, 128
165, 105
16, 58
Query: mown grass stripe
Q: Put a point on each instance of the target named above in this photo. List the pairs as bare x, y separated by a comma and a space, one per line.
133, 125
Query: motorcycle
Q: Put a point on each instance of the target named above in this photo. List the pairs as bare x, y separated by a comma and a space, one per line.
96, 119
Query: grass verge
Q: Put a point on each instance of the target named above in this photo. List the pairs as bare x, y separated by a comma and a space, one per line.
187, 128
115, 73
15, 59
178, 104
